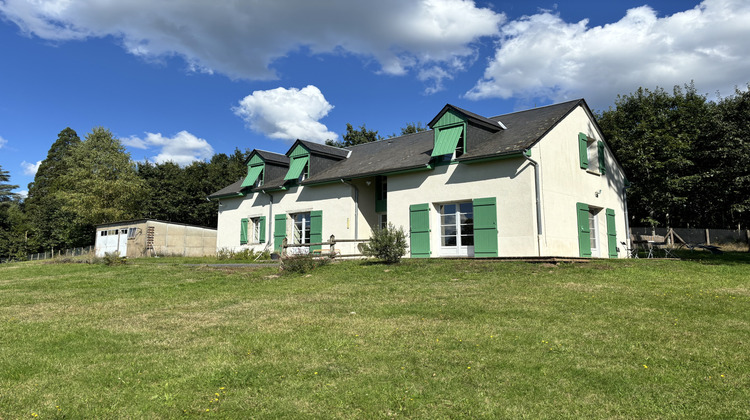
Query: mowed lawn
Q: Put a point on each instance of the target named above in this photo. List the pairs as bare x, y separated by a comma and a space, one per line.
423, 339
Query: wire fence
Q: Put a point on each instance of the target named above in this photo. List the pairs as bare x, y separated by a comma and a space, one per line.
72, 252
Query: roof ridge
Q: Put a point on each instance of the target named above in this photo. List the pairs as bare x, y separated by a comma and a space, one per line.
538, 107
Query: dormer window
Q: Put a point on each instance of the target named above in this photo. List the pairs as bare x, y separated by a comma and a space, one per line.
299, 167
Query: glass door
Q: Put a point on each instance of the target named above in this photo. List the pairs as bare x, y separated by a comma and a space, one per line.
457, 229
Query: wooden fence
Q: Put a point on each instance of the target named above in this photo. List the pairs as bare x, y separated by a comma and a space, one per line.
332, 251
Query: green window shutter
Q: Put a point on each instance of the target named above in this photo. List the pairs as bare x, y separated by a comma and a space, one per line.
419, 229
380, 204
243, 231
611, 233
252, 175
316, 229
602, 159
296, 167
584, 233
446, 140
279, 231
262, 229
485, 227
583, 154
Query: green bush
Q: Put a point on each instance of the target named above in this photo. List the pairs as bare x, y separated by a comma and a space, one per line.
113, 258
387, 244
302, 263
243, 255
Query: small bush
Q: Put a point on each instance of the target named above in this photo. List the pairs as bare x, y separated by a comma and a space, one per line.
302, 263
113, 258
387, 244
243, 255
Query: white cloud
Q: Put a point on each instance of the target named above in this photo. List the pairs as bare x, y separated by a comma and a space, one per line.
182, 149
30, 168
542, 56
3, 142
24, 194
242, 39
287, 114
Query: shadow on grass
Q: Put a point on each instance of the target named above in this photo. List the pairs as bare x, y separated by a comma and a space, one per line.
726, 258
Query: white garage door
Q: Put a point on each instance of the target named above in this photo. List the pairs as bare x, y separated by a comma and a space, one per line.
113, 240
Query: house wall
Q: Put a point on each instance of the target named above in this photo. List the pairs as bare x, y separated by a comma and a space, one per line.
564, 184
510, 181
335, 200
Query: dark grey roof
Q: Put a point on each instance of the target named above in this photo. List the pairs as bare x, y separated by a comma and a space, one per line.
322, 149
476, 118
524, 129
271, 157
389, 155
413, 151
230, 190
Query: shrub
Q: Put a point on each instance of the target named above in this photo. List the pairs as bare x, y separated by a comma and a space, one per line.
245, 254
388, 244
302, 263
113, 258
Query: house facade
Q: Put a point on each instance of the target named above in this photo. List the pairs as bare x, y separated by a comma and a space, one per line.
540, 182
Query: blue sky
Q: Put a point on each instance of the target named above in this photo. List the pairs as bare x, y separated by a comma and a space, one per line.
182, 80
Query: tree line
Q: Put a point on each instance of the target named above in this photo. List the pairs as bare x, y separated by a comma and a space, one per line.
687, 158
83, 183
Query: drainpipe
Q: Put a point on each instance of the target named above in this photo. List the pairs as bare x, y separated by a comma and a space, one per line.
356, 207
527, 155
270, 218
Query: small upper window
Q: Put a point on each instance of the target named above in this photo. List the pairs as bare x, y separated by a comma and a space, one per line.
132, 232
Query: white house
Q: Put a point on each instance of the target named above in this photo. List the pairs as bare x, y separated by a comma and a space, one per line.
540, 182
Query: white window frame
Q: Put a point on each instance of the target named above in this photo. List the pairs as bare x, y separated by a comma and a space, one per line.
594, 232
382, 220
459, 249
255, 233
592, 154
301, 228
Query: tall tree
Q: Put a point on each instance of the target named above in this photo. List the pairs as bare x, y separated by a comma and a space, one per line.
51, 222
723, 159
354, 137
654, 136
411, 128
102, 184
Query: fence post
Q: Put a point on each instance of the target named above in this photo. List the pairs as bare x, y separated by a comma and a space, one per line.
708, 238
332, 240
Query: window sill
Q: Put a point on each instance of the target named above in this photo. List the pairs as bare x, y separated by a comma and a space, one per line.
594, 172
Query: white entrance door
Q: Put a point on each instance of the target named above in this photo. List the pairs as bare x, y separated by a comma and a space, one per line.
457, 229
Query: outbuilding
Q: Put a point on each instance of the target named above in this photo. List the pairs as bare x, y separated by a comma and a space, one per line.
149, 237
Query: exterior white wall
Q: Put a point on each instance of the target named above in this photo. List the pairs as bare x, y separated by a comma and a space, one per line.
335, 200
511, 181
564, 184
169, 239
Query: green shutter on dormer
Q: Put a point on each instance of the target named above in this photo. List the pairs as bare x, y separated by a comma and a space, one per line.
583, 154
446, 140
296, 167
252, 175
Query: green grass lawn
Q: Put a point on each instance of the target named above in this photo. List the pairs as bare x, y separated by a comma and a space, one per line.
423, 339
